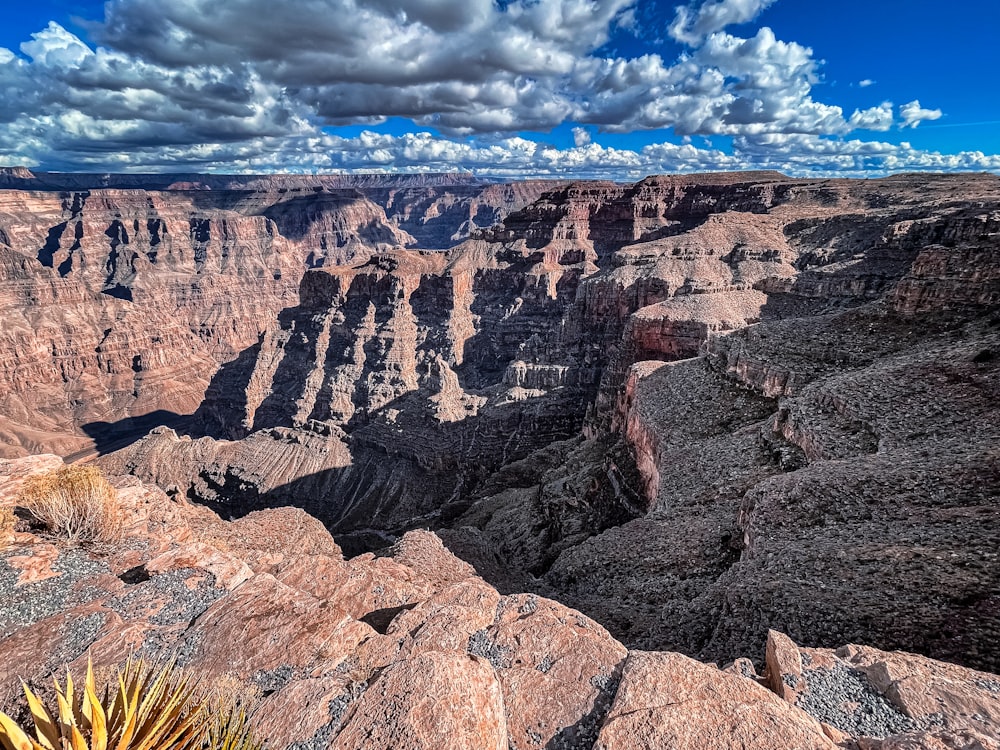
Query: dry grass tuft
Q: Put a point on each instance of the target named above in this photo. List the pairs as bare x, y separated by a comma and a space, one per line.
76, 503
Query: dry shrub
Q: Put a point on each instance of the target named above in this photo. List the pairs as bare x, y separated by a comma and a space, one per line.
76, 503
230, 693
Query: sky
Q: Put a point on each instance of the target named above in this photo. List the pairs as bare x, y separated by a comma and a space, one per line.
615, 89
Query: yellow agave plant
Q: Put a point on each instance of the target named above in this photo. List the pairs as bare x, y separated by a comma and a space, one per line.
148, 710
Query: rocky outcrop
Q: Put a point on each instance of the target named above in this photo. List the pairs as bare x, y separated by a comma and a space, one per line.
414, 650
694, 408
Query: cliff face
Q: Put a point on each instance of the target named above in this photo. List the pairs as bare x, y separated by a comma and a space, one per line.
693, 408
120, 303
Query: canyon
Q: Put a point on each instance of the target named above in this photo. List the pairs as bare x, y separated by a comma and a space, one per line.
695, 408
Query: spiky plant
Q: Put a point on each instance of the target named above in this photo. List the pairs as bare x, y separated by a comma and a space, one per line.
232, 731
148, 709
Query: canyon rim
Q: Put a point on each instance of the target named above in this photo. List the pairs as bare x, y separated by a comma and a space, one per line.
553, 374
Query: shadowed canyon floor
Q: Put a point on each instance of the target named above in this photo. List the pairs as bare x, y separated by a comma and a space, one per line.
694, 408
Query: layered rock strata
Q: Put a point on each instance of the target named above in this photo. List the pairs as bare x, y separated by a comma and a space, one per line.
121, 296
822, 435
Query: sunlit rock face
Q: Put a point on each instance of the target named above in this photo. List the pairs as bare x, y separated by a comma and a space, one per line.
693, 407
123, 294
413, 649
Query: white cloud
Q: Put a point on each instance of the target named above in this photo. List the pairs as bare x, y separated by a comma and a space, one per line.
56, 47
913, 114
875, 118
691, 25
236, 86
866, 83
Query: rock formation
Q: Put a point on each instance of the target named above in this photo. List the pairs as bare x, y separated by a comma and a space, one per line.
121, 295
694, 408
412, 649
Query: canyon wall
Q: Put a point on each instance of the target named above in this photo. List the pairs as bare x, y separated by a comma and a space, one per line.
121, 295
693, 407
411, 649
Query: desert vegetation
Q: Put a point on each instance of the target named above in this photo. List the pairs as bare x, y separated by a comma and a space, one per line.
76, 503
143, 708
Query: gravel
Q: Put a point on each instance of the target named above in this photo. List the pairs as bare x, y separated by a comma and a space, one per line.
583, 734
272, 680
169, 597
990, 686
480, 644
77, 637
337, 710
845, 699
26, 605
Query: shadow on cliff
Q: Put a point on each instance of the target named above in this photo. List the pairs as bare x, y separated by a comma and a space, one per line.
411, 472
111, 436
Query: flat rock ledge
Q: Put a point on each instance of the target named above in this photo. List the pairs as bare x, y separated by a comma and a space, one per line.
413, 650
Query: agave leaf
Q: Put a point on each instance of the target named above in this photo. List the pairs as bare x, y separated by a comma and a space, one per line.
77, 742
96, 717
12, 737
86, 704
181, 735
69, 688
129, 703
164, 708
46, 727
116, 716
66, 724
73, 699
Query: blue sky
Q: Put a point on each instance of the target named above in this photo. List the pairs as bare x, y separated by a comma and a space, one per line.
587, 88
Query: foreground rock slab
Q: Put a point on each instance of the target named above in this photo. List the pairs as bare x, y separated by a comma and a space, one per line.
414, 651
669, 700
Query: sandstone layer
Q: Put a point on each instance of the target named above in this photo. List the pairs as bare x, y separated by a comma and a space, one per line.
121, 295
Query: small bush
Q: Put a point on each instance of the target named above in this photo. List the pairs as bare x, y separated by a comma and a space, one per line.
75, 502
142, 709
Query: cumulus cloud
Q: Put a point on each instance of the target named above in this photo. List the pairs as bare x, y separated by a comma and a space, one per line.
866, 83
913, 114
692, 23
236, 86
478, 66
874, 118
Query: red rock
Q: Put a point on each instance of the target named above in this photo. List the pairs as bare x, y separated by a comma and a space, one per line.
424, 553
303, 710
36, 565
267, 631
671, 701
359, 586
784, 666
446, 620
228, 571
559, 670
434, 701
